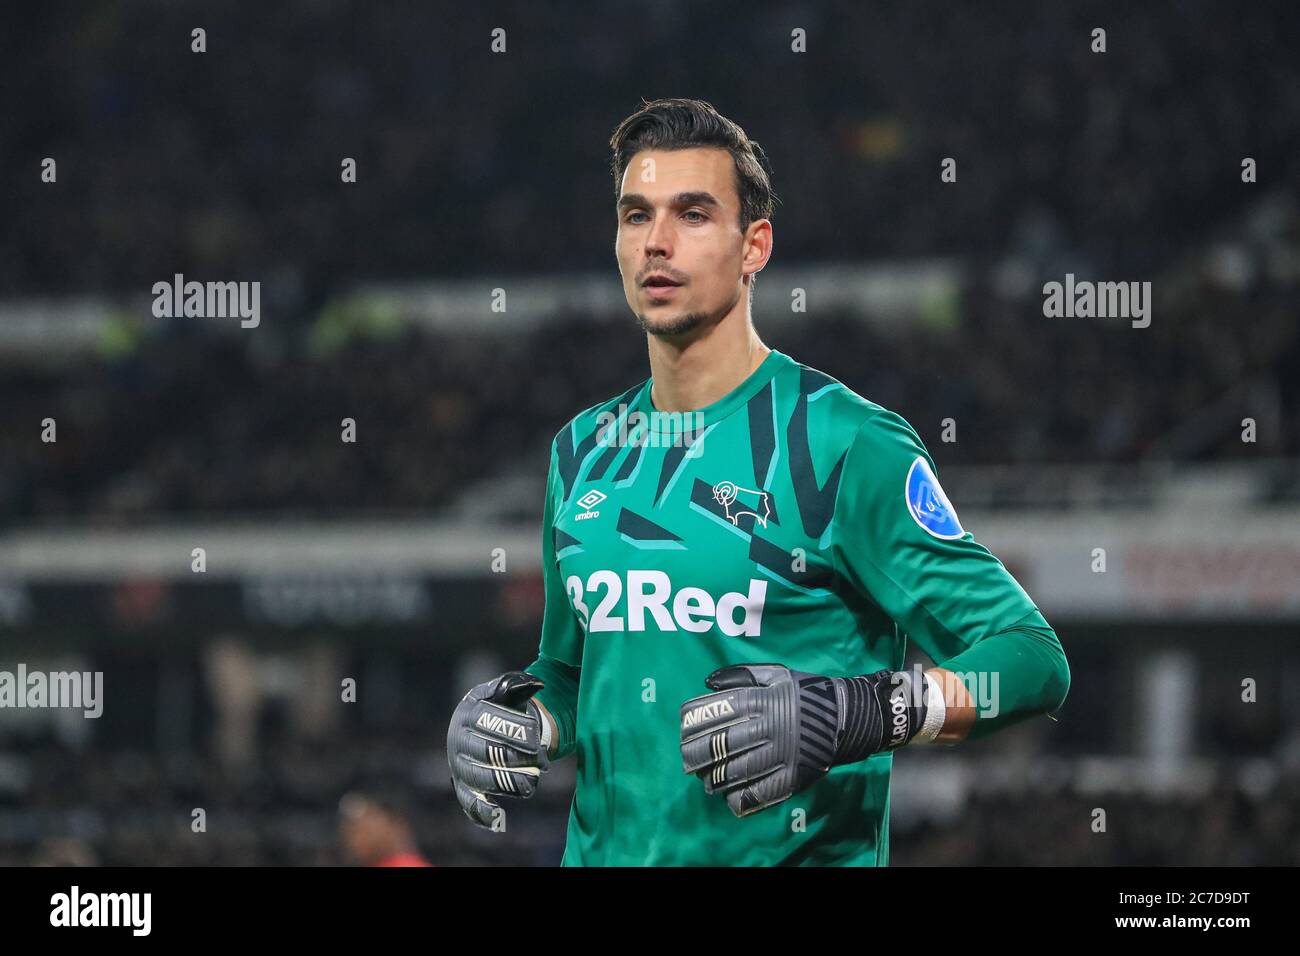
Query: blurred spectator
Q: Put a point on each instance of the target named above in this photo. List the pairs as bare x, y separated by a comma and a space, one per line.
375, 832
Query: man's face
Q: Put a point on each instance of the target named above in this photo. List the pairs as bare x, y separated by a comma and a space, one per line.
679, 218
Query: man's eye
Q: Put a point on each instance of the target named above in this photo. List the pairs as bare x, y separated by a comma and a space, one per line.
631, 214
696, 212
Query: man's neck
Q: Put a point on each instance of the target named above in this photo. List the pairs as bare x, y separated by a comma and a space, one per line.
694, 374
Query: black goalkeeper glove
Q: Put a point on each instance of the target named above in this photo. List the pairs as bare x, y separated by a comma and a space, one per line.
769, 732
494, 744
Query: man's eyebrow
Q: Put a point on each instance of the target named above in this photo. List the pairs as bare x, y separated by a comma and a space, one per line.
694, 198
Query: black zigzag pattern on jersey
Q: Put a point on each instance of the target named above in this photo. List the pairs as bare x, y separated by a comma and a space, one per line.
672, 458
781, 563
562, 540
568, 457
630, 462
818, 722
702, 495
642, 529
762, 433
602, 464
816, 504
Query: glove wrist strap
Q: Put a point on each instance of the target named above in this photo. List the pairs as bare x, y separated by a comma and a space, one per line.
878, 712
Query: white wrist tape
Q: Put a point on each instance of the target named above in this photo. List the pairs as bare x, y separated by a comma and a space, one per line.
935, 711
545, 721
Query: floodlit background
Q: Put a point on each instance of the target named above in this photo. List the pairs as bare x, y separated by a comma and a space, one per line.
1175, 449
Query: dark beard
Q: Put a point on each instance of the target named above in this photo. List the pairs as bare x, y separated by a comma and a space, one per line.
679, 326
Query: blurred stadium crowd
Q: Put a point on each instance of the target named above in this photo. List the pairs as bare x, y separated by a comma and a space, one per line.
189, 424
226, 164
215, 177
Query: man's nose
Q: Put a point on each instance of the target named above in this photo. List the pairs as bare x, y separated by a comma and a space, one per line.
660, 240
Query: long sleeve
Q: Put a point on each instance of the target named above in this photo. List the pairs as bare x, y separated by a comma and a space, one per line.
559, 656
1033, 676
897, 539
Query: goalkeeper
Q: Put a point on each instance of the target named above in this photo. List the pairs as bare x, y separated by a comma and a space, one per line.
736, 553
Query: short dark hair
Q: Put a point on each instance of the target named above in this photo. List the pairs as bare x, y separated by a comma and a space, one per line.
682, 124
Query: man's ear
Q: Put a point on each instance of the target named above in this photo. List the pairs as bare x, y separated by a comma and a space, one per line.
758, 245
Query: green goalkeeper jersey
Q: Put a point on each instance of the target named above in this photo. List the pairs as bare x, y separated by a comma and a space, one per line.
794, 522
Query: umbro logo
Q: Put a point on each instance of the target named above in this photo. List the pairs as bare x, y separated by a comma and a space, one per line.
589, 501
